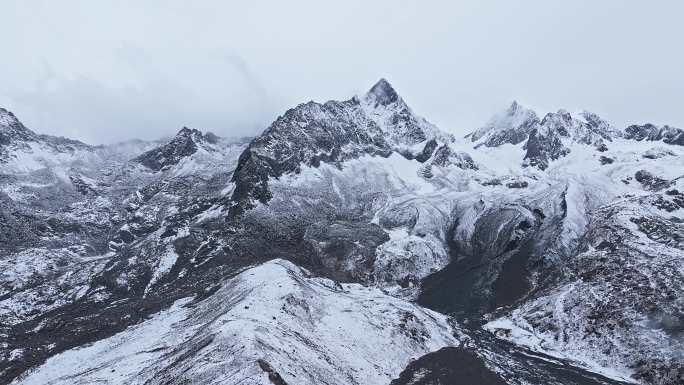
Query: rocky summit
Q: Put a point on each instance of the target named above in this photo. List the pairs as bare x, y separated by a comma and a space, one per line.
352, 242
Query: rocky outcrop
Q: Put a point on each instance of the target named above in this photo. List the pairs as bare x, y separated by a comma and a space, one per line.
445, 157
649, 132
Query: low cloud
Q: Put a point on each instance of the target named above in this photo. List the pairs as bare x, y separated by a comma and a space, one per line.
104, 72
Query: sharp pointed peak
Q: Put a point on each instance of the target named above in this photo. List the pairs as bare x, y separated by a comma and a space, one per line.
383, 93
382, 83
516, 108
11, 127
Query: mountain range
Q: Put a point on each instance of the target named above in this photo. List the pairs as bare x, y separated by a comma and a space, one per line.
352, 242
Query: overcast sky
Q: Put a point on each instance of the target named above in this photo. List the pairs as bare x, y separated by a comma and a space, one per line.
104, 71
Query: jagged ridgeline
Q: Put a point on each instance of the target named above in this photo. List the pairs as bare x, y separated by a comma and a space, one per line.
352, 242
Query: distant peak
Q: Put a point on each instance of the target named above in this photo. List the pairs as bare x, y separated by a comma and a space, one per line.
185, 143
383, 93
188, 131
511, 125
7, 117
12, 129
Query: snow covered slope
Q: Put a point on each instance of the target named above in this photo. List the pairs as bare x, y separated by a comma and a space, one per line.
270, 323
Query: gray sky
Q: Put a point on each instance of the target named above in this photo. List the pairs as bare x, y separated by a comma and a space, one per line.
106, 71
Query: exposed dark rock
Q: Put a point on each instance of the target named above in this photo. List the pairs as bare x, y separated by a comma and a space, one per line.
445, 156
383, 93
606, 160
650, 181
449, 366
517, 184
491, 182
273, 376
429, 148
541, 149
182, 145
650, 132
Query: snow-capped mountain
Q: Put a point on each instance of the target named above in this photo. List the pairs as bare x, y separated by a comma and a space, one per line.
351, 242
511, 126
23, 150
377, 123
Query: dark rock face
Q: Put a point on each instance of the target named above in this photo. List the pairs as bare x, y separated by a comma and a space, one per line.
336, 243
445, 156
643, 132
676, 196
307, 135
650, 181
517, 184
273, 376
662, 230
491, 182
541, 149
650, 132
601, 147
449, 366
182, 145
427, 151
493, 268
673, 135
606, 160
383, 93
547, 143
472, 365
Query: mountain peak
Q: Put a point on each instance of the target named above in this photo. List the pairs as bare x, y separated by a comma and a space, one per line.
12, 129
7, 118
184, 144
512, 125
187, 132
514, 107
382, 93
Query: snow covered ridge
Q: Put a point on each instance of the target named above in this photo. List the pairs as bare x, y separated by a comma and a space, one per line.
549, 139
22, 150
273, 320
